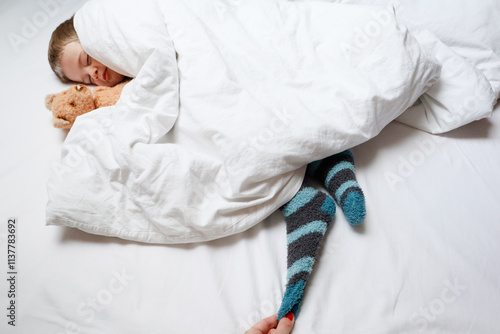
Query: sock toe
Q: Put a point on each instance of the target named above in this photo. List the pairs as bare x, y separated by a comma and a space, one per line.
292, 300
354, 208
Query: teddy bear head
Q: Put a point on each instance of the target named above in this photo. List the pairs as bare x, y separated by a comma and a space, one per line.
67, 105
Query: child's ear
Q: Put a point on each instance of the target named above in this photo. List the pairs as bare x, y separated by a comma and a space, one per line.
48, 101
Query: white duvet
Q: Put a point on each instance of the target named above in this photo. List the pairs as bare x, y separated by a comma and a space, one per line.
230, 100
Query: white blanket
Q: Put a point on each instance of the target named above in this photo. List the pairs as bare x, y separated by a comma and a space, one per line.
230, 100
463, 36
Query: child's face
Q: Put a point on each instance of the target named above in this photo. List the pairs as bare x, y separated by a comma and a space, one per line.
80, 67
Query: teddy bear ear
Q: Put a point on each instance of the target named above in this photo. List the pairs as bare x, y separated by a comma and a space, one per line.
48, 101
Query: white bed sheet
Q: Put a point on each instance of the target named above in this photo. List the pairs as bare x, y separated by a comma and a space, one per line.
425, 261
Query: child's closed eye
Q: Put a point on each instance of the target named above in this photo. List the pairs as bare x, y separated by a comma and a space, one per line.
89, 76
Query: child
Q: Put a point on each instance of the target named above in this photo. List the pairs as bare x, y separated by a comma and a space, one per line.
71, 63
307, 214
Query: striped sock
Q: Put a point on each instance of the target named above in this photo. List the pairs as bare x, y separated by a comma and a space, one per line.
307, 217
338, 175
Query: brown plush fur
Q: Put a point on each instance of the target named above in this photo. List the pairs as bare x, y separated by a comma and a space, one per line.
78, 100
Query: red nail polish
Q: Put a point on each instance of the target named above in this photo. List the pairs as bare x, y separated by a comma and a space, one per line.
289, 316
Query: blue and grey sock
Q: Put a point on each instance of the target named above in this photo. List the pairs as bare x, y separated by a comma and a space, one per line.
307, 215
338, 175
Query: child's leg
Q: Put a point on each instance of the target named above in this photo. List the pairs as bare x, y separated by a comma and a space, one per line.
307, 217
338, 175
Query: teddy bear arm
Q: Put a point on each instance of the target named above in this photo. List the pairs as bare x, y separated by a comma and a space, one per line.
104, 101
61, 123
107, 96
48, 100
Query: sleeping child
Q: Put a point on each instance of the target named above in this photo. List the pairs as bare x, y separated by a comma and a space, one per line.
307, 215
71, 63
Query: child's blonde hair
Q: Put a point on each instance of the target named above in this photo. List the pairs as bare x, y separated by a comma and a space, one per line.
64, 34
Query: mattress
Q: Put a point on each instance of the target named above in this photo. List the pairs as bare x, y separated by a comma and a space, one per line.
425, 260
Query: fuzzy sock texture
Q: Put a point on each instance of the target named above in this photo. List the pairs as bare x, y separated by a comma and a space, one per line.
307, 215
337, 173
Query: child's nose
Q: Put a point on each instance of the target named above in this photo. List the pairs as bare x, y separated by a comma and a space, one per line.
92, 71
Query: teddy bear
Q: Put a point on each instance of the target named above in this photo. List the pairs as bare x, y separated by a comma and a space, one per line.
78, 100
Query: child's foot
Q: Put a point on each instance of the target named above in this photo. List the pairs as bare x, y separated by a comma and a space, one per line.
338, 175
